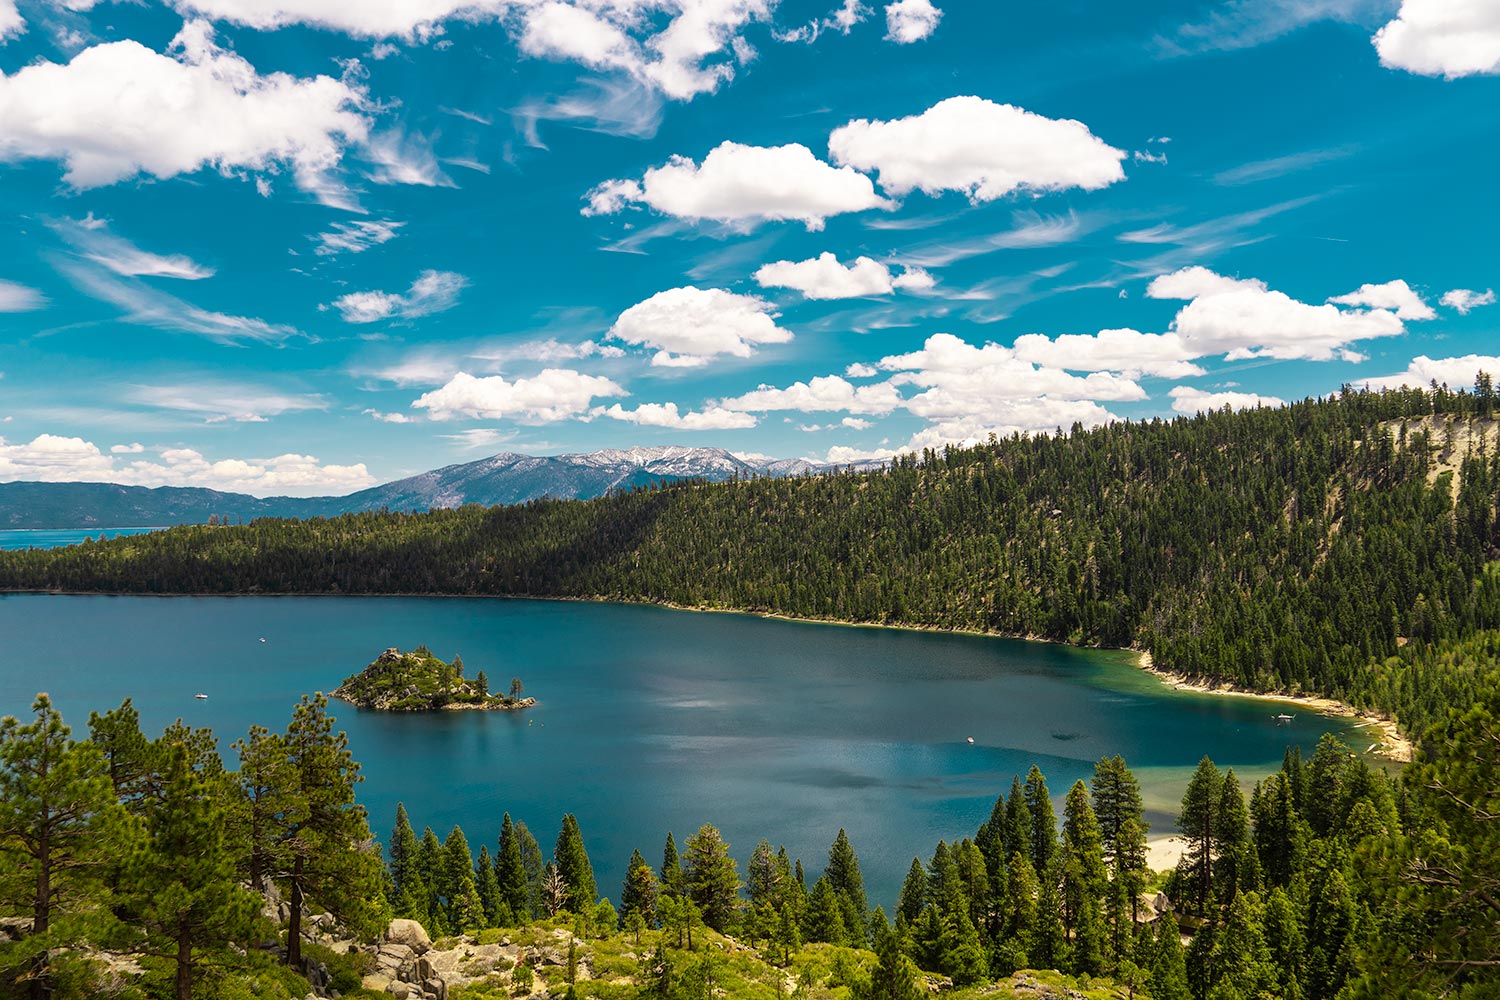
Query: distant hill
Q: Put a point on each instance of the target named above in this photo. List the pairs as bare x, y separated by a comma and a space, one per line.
507, 478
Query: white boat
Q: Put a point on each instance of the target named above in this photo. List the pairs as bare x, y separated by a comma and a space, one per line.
1283, 719
262, 638
971, 739
201, 697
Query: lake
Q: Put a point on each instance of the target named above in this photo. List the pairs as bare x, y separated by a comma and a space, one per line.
652, 720
52, 538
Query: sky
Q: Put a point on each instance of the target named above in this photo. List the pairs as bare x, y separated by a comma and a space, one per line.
305, 246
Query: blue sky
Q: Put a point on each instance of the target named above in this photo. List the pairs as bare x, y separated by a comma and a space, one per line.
302, 246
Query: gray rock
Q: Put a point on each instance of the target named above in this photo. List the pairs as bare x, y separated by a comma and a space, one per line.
409, 933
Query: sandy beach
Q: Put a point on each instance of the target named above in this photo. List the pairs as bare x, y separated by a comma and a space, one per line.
1391, 743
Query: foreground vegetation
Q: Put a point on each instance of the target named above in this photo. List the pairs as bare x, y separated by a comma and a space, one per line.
136, 867
1334, 546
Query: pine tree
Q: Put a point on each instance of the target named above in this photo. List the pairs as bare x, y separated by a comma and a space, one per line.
712, 879
510, 873
1242, 964
1239, 868
1043, 832
913, 892
1285, 941
572, 862
127, 752
535, 866
1049, 946
265, 786
639, 894
844, 875
763, 877
1331, 929
183, 896
824, 920
1168, 975
1083, 880
408, 888
59, 827
465, 909
671, 876
489, 889
1199, 823
1016, 835
324, 849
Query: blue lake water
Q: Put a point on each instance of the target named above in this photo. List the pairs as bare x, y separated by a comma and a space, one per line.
653, 720
52, 538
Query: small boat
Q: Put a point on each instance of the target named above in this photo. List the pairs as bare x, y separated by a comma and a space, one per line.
1283, 719
201, 697
262, 638
971, 739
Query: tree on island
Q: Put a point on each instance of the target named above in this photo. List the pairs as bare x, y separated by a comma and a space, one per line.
482, 686
516, 689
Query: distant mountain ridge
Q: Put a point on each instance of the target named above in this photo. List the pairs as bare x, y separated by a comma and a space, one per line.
507, 478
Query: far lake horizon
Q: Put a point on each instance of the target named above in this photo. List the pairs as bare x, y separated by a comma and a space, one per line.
652, 719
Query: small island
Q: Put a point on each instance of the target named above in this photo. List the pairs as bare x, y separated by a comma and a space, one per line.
420, 681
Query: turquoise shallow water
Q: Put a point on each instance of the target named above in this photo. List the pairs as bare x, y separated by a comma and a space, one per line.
51, 538
651, 719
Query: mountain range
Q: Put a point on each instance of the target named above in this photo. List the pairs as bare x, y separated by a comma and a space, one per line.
507, 478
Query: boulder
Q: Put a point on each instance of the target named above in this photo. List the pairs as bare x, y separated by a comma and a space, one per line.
409, 933
375, 982
396, 961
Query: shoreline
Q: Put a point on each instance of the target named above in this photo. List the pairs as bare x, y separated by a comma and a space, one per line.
1392, 745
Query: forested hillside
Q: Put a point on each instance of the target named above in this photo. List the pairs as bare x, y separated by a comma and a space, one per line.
1333, 546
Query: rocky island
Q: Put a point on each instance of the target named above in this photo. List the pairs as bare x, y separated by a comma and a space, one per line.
420, 681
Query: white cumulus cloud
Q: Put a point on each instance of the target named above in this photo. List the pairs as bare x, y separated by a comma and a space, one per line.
689, 326
744, 185
823, 277
119, 109
1457, 373
827, 393
55, 458
1464, 299
11, 22
1186, 399
1241, 318
908, 21
1127, 351
666, 415
1396, 296
432, 292
983, 149
551, 395
1448, 38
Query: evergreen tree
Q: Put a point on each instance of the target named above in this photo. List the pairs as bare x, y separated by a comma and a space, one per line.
572, 862
1083, 880
1331, 932
266, 787
510, 872
465, 909
844, 875
488, 886
408, 888
671, 878
127, 752
1043, 832
1199, 823
824, 920
1017, 832
712, 879
183, 896
1239, 868
1286, 943
639, 894
1169, 978
1048, 944
913, 892
535, 866
763, 877
894, 977
323, 846
1241, 964
59, 827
